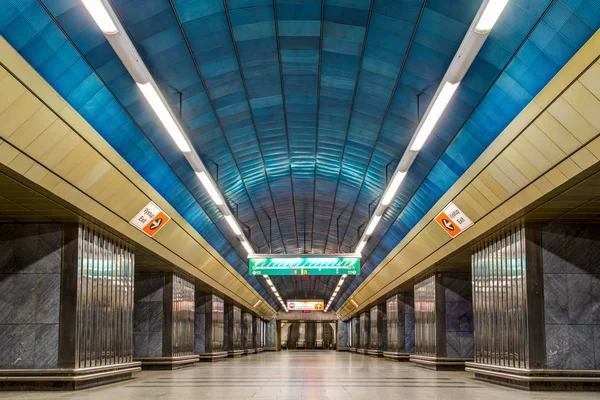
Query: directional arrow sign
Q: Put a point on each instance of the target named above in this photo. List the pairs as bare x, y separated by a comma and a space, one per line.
453, 220
150, 220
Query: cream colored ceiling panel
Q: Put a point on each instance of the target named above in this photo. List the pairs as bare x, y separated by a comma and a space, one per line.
17, 113
44, 142
32, 128
572, 120
585, 103
590, 80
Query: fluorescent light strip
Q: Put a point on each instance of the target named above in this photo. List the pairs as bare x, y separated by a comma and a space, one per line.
360, 246
100, 15
247, 246
490, 15
393, 188
434, 114
373, 224
164, 115
210, 188
234, 226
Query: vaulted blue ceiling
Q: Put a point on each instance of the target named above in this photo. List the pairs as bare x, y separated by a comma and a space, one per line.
305, 106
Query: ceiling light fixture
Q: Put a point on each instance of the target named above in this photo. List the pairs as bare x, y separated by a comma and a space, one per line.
393, 188
373, 224
211, 189
101, 16
164, 115
234, 226
433, 115
490, 15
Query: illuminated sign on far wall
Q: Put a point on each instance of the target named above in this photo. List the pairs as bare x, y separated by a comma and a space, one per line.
269, 264
305, 305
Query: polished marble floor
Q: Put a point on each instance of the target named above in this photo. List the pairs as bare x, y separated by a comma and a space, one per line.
298, 376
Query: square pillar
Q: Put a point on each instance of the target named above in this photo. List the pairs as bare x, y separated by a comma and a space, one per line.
271, 335
536, 296
209, 327
365, 332
378, 333
163, 314
233, 331
355, 334
443, 321
67, 315
343, 335
257, 333
247, 333
400, 317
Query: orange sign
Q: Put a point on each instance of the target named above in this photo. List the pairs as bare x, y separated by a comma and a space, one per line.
150, 220
453, 220
446, 223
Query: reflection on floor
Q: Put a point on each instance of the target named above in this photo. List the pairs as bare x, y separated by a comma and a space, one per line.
299, 375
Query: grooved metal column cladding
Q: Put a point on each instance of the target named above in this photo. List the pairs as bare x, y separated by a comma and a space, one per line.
500, 300
303, 106
104, 310
425, 318
182, 340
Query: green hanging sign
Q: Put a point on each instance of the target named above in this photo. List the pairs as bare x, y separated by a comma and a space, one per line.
304, 265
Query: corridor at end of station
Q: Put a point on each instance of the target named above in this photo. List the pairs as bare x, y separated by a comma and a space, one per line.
300, 199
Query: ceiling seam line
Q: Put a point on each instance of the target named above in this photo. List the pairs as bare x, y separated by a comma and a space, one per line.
59, 26
237, 55
312, 234
358, 73
287, 131
467, 119
472, 112
214, 110
385, 114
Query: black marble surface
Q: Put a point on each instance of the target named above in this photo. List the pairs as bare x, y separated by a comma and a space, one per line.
571, 267
30, 268
459, 315
148, 314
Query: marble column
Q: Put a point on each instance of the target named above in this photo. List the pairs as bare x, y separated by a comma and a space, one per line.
355, 334
209, 327
285, 332
257, 333
343, 335
271, 335
319, 335
400, 327
536, 307
66, 308
365, 332
443, 321
378, 333
301, 343
233, 331
247, 333
163, 315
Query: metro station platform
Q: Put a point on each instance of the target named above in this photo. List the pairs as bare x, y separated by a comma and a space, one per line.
303, 376
300, 199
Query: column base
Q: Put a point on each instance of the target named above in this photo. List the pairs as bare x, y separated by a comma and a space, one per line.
440, 363
270, 348
392, 355
536, 379
167, 363
235, 353
361, 351
344, 349
375, 353
352, 350
210, 357
249, 351
66, 378
259, 350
